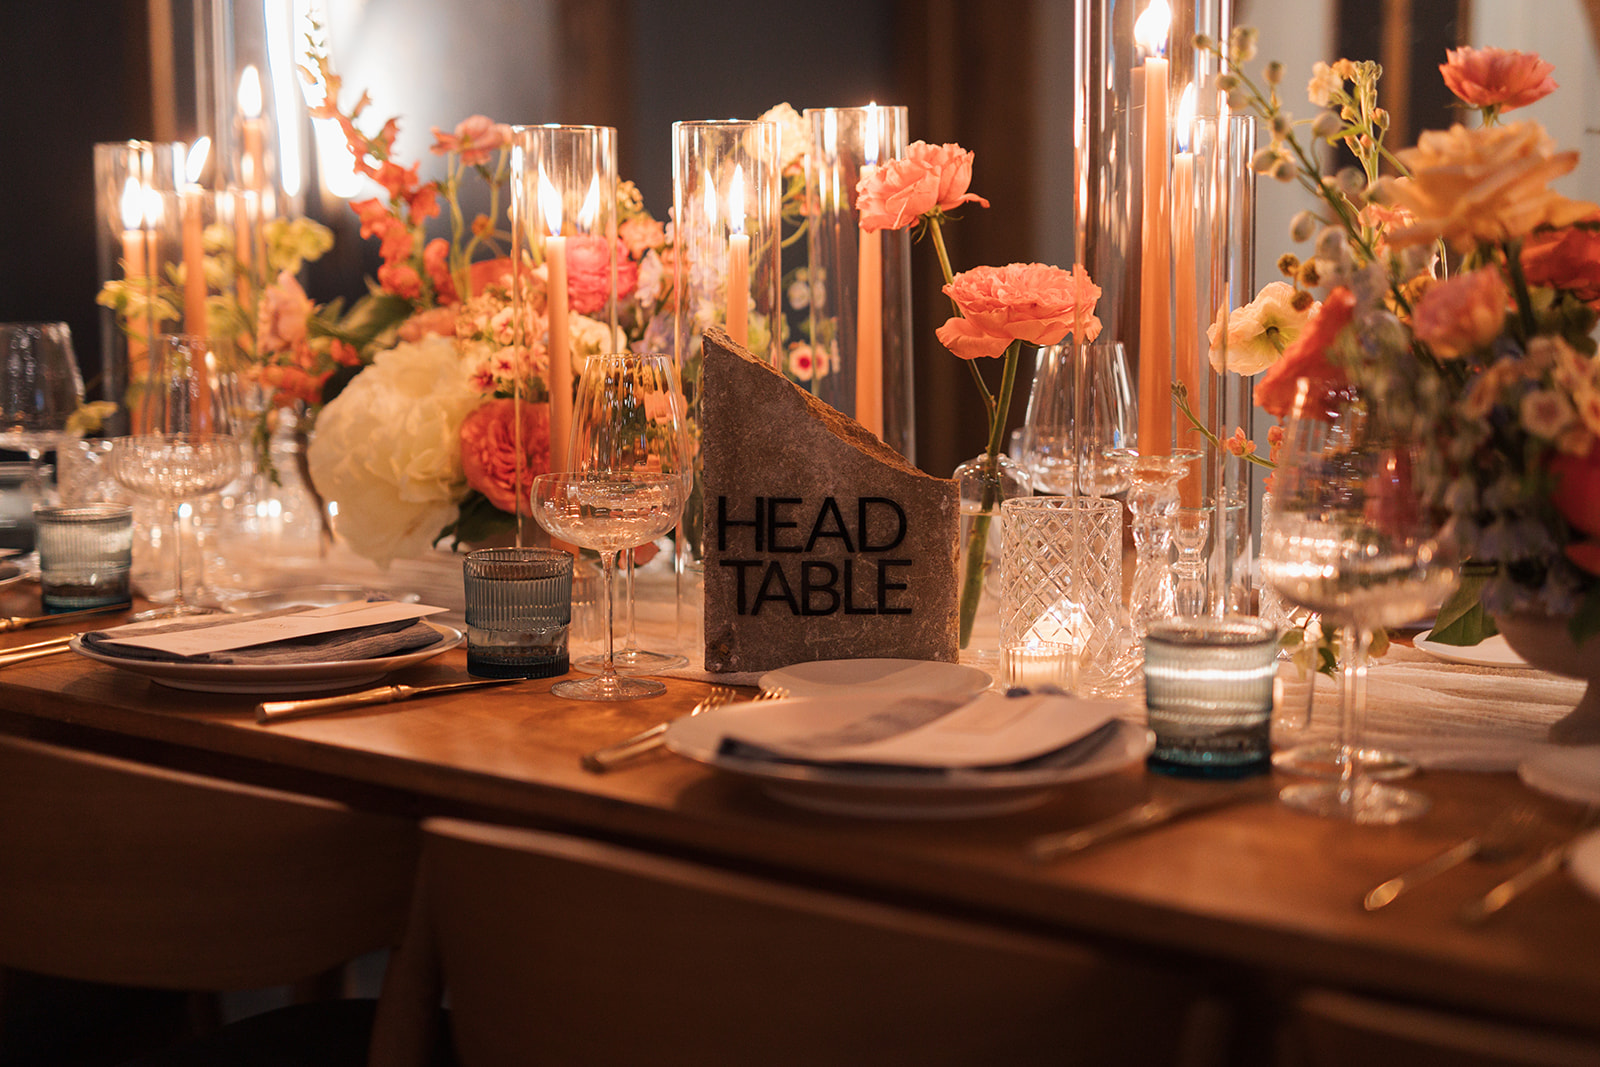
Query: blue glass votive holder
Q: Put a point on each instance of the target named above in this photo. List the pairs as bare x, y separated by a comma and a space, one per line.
519, 608
85, 556
1208, 693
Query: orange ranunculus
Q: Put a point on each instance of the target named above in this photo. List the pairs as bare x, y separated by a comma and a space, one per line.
400, 279
1307, 357
897, 193
1496, 78
1028, 302
436, 261
290, 385
1577, 489
1461, 314
488, 449
1565, 259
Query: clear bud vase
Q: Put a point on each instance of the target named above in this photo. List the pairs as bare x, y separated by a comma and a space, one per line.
984, 484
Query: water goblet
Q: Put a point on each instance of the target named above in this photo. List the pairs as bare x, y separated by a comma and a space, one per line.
189, 441
610, 512
1350, 539
40, 387
628, 415
1081, 406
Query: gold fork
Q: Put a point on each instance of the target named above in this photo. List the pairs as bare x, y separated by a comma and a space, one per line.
603, 759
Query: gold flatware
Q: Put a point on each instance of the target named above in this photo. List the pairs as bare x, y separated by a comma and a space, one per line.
603, 759
23, 622
1500, 840
1549, 861
1142, 817
24, 653
278, 710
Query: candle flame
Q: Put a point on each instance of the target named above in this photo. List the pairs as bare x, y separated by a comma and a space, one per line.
1183, 131
736, 200
591, 204
873, 134
549, 203
195, 165
250, 92
1152, 28
132, 208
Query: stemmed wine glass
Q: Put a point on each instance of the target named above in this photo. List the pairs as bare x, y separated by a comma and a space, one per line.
649, 435
189, 441
40, 387
1350, 539
1081, 406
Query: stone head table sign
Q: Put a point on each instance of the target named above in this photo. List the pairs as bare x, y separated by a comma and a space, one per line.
821, 542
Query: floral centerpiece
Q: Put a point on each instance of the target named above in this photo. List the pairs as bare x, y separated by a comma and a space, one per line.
996, 311
1463, 292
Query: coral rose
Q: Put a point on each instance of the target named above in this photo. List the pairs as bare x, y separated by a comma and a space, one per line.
589, 274
1028, 302
1308, 357
475, 138
489, 452
1467, 312
1259, 332
930, 177
1565, 259
1495, 78
1483, 185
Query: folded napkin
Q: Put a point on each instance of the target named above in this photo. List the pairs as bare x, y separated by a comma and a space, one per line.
366, 642
922, 735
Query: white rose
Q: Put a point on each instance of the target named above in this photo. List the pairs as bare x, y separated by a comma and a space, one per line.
387, 449
794, 135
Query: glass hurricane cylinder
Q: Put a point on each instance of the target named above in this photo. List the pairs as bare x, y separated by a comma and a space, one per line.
1134, 61
564, 221
860, 281
727, 184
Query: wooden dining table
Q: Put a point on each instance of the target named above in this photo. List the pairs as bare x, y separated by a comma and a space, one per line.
1253, 894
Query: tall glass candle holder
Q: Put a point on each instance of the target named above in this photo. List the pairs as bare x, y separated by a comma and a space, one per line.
860, 281
1134, 61
137, 225
727, 187
564, 224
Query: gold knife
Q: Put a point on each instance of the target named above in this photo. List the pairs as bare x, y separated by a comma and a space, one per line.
279, 710
1549, 861
22, 622
1150, 813
24, 653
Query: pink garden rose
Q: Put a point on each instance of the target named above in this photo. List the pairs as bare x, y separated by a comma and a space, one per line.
1028, 302
1495, 78
476, 138
641, 233
1307, 357
589, 274
930, 177
281, 322
1467, 312
489, 454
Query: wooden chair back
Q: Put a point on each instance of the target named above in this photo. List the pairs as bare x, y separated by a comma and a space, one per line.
561, 951
113, 871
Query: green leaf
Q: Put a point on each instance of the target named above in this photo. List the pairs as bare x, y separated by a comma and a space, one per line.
1585, 622
1462, 619
477, 521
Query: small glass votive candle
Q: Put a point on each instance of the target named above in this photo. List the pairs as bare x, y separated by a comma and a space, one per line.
1037, 665
519, 608
85, 555
1208, 692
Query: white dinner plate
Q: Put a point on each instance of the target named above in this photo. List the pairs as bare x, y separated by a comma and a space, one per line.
274, 678
10, 574
1583, 860
1491, 652
1571, 773
893, 794
859, 677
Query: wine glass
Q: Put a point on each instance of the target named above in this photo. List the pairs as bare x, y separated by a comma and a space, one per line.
628, 415
608, 511
1350, 539
40, 387
1081, 406
189, 442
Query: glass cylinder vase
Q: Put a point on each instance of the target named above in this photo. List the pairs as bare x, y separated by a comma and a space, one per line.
1134, 61
860, 280
564, 231
985, 485
727, 183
